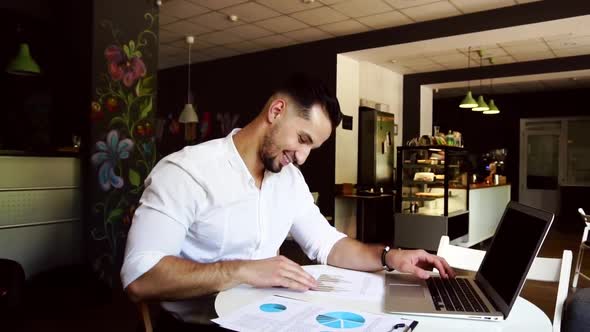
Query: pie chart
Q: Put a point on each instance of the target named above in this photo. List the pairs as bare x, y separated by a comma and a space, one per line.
272, 307
341, 320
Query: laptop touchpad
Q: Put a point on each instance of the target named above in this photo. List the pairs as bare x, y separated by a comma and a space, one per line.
410, 291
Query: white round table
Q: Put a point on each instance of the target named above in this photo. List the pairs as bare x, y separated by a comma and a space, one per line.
524, 315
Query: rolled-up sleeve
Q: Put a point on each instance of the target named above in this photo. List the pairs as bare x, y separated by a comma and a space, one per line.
167, 208
313, 233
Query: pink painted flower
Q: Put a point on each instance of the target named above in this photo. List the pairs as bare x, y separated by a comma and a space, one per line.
123, 68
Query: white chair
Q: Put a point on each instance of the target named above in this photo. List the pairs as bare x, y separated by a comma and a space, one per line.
543, 269
459, 257
583, 246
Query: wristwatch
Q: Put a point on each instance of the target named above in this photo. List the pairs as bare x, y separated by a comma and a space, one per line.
383, 262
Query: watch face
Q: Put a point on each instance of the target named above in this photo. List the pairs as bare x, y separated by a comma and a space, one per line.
383, 262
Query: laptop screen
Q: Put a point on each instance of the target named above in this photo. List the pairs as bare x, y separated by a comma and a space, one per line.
516, 243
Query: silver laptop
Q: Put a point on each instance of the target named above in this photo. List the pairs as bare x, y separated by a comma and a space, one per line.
497, 284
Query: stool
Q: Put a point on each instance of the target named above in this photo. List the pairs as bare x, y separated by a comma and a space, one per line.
584, 244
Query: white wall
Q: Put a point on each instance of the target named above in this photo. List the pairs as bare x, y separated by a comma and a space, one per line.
425, 110
347, 92
356, 80
383, 86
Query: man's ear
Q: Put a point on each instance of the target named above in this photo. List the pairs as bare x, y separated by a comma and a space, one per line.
276, 108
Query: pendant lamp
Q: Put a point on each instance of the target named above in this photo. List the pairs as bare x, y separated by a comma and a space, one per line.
493, 108
468, 101
188, 116
23, 63
481, 103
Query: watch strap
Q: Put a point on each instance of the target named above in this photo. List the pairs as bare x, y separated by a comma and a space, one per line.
383, 261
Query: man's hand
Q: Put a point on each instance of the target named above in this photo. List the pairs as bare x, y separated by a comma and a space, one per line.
416, 261
276, 271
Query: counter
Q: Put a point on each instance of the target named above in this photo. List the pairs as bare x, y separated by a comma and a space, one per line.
485, 185
486, 206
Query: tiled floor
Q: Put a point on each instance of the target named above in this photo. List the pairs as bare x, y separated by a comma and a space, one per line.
114, 312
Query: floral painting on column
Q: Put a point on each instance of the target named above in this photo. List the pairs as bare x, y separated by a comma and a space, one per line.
124, 149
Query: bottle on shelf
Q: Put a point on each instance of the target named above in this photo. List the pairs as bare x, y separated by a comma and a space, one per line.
450, 138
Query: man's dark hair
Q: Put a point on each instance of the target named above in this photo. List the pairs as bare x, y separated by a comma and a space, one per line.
307, 91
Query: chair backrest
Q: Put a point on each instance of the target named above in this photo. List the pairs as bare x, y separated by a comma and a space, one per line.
144, 309
460, 257
587, 220
543, 269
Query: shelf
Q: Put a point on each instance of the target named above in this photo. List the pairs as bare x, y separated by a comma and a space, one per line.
438, 182
434, 212
443, 189
419, 199
435, 147
428, 166
411, 182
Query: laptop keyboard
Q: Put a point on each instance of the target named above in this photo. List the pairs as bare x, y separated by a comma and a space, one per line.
454, 295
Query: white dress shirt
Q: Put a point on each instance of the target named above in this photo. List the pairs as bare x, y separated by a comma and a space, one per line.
202, 204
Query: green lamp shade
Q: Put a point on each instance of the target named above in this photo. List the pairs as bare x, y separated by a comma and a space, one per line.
23, 64
493, 108
188, 115
481, 105
468, 101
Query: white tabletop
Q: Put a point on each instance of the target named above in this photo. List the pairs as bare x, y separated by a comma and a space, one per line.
524, 315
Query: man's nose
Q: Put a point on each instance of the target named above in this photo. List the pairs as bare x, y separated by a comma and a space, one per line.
301, 155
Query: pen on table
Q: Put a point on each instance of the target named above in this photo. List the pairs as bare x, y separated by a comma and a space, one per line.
411, 327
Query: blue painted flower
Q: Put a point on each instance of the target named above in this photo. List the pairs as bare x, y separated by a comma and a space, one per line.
108, 155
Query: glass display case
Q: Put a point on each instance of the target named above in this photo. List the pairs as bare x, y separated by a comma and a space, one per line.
432, 196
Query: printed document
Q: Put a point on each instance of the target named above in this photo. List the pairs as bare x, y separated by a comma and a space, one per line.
347, 283
277, 313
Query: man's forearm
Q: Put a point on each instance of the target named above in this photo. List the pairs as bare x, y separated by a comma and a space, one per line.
352, 254
175, 278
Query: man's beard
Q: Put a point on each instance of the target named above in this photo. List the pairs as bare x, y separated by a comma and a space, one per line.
267, 158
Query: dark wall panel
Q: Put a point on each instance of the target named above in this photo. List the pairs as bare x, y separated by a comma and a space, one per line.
40, 113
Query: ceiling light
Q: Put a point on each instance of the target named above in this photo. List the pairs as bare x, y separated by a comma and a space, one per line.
233, 18
23, 63
188, 114
481, 103
468, 101
493, 109
308, 1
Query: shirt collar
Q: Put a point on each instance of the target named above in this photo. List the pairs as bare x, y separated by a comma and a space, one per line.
235, 159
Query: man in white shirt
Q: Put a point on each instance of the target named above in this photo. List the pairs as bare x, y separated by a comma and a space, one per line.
213, 216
